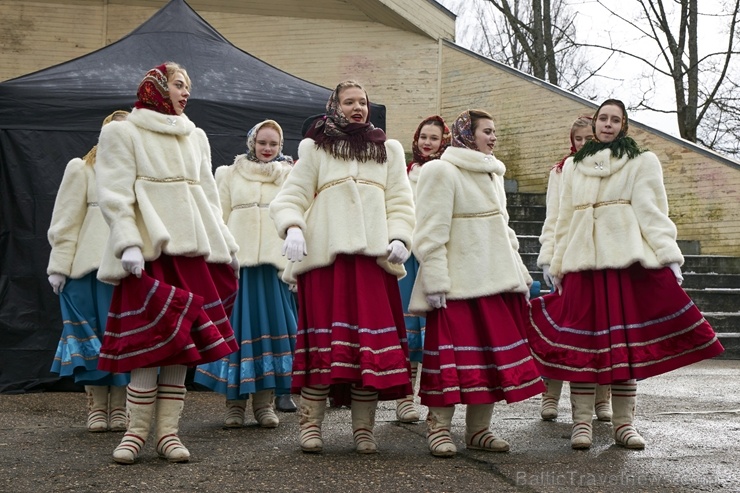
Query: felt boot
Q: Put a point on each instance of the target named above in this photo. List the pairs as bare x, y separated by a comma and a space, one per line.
406, 411
117, 409
439, 438
312, 409
624, 398
262, 407
604, 402
170, 401
364, 404
550, 399
139, 410
478, 435
235, 413
582, 397
97, 408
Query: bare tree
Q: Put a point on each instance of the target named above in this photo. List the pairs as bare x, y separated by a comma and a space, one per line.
537, 37
705, 84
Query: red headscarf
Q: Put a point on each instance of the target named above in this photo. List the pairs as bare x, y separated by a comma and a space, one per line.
153, 92
345, 140
419, 159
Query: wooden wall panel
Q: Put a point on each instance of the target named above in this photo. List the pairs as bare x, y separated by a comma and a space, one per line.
397, 68
31, 39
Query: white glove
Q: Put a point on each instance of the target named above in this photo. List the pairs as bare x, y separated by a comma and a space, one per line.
132, 260
558, 283
235, 265
293, 288
397, 252
676, 269
546, 275
437, 300
57, 282
294, 246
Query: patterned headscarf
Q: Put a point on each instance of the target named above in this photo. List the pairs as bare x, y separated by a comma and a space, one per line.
153, 92
462, 132
252, 143
620, 146
346, 140
419, 159
93, 154
559, 167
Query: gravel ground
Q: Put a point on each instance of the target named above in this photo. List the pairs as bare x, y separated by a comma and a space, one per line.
690, 418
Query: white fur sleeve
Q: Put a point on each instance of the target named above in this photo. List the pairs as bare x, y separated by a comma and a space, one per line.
547, 238
650, 203
295, 197
115, 175
435, 193
69, 212
565, 216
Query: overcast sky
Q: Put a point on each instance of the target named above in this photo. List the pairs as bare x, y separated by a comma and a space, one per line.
592, 22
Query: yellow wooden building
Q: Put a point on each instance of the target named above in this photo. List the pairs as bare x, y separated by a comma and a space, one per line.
403, 52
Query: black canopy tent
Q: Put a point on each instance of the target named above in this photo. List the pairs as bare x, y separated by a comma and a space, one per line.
53, 115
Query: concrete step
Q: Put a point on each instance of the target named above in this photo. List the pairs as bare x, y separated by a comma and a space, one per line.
689, 247
526, 228
527, 213
529, 243
723, 322
694, 264
518, 199
711, 264
693, 280
716, 300
731, 343
727, 327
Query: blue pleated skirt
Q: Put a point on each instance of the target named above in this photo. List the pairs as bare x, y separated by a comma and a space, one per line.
414, 325
85, 303
264, 323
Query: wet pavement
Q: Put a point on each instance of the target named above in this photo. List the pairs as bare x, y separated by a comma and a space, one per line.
690, 419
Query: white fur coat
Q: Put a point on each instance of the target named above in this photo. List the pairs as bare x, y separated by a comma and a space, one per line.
78, 231
246, 189
156, 191
462, 238
613, 212
547, 238
345, 207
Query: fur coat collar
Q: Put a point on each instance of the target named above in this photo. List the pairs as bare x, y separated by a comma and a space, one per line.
257, 171
601, 164
474, 161
161, 123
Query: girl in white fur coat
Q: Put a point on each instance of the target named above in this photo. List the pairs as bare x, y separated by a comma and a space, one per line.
431, 138
77, 236
473, 288
171, 256
264, 316
347, 215
619, 313
580, 133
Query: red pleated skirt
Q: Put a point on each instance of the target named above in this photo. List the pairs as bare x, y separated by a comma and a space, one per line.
351, 330
177, 313
618, 324
475, 352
